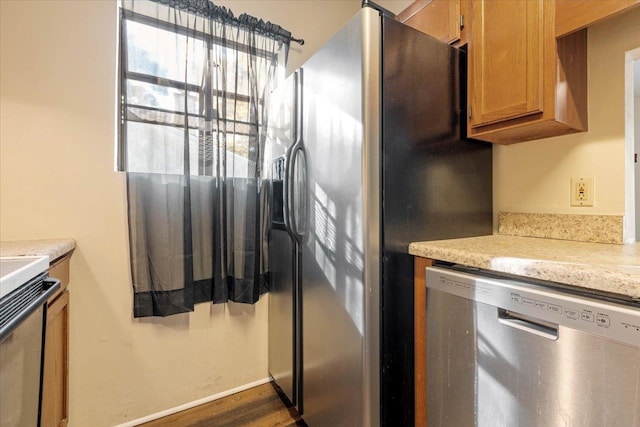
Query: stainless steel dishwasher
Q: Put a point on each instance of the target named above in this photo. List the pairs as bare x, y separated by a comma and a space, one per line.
502, 352
24, 291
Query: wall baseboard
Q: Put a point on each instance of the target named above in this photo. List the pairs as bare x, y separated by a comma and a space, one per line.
193, 403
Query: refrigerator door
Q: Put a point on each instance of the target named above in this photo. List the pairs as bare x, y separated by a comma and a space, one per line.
340, 348
282, 246
436, 185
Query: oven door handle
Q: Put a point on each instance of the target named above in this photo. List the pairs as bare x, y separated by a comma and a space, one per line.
50, 287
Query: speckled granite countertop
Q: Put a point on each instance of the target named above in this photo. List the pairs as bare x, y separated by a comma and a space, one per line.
55, 248
603, 267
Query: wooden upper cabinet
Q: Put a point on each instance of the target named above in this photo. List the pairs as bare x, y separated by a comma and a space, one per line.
438, 18
506, 59
523, 83
573, 15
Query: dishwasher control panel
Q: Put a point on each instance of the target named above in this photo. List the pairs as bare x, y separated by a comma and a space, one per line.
613, 321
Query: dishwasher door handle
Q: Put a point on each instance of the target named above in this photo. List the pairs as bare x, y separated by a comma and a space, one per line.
528, 324
49, 287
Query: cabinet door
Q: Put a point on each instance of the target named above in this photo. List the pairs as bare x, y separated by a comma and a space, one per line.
438, 18
505, 60
55, 375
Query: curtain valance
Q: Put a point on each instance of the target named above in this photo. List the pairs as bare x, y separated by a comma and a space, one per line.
221, 13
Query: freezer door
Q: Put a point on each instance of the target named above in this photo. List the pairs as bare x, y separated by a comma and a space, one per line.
283, 314
338, 356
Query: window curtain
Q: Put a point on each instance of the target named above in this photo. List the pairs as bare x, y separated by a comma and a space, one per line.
194, 86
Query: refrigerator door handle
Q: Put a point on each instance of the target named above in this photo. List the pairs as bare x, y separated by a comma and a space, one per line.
288, 180
286, 191
292, 161
297, 153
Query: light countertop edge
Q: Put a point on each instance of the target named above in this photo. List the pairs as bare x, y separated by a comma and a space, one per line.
54, 248
603, 267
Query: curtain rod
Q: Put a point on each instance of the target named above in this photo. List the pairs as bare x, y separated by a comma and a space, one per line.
208, 9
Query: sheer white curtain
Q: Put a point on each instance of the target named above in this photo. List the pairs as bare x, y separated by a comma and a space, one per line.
194, 86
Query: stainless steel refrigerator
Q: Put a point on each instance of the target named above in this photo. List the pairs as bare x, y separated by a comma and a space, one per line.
367, 154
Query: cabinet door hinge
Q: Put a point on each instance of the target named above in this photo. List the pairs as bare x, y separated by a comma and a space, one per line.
469, 112
461, 21
635, 158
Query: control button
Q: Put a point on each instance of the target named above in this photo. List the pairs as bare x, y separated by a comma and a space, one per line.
555, 308
571, 313
484, 291
516, 298
631, 326
541, 305
603, 320
529, 302
587, 316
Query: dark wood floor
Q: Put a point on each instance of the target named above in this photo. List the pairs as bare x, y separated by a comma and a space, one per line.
258, 407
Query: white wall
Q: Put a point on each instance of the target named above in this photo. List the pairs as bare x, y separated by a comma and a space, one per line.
57, 95
535, 176
636, 124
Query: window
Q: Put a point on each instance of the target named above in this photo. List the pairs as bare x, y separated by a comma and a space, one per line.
194, 83
188, 102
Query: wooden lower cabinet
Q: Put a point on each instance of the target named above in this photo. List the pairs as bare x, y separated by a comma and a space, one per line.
420, 342
55, 407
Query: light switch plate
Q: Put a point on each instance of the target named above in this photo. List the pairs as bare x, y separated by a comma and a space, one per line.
583, 191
